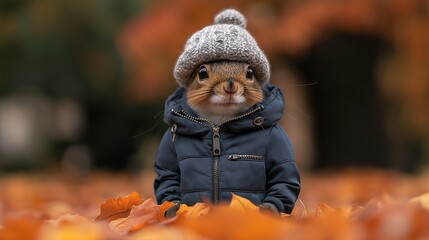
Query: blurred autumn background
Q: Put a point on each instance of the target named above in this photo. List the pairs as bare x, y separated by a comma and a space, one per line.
83, 83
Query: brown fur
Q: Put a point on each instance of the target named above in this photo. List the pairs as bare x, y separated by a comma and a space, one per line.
226, 82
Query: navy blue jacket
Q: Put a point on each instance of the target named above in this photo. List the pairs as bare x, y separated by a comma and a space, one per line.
250, 156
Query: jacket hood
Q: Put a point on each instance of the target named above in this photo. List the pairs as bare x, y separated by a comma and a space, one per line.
261, 115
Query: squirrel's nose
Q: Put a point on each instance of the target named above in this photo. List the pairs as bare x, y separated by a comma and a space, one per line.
230, 87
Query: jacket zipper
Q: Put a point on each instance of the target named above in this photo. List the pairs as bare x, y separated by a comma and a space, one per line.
245, 156
216, 142
216, 154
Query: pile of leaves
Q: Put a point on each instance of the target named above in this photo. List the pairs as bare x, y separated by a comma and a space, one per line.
27, 212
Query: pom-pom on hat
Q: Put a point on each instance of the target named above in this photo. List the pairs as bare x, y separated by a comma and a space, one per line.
226, 40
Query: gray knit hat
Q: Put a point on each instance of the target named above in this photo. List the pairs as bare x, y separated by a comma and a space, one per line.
227, 39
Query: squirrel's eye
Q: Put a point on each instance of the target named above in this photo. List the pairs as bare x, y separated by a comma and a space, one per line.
249, 73
203, 74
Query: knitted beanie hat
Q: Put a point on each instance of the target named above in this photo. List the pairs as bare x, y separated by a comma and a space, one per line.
227, 40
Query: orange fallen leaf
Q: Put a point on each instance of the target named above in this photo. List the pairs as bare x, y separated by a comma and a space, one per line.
198, 210
225, 223
116, 208
162, 209
241, 203
241, 219
324, 208
300, 210
160, 216
146, 213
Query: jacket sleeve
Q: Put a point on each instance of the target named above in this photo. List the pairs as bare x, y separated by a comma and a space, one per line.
283, 180
167, 181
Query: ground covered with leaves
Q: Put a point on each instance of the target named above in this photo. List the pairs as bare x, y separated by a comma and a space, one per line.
353, 205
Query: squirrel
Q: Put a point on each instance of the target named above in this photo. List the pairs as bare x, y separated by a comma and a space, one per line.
221, 90
224, 137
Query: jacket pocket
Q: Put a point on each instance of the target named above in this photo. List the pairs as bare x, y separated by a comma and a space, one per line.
245, 157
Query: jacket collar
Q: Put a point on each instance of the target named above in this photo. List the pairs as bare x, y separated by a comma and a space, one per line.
261, 115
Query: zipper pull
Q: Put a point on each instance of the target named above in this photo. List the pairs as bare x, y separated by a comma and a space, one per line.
216, 141
233, 157
173, 130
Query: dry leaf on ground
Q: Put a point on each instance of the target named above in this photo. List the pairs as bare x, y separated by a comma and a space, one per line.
116, 208
241, 203
146, 213
321, 213
198, 210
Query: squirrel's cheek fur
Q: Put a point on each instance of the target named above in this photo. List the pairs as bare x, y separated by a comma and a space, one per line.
225, 89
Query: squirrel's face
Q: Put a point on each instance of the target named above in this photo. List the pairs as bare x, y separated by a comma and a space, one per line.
223, 88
